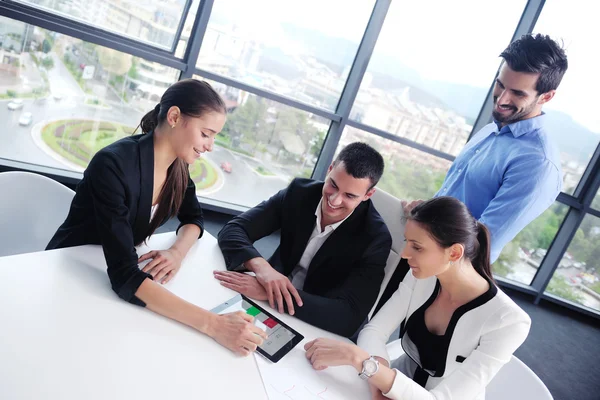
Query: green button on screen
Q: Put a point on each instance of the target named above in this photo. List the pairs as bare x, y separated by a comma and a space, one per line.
253, 311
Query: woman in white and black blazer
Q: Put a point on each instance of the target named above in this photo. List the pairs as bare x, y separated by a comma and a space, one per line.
136, 184
458, 329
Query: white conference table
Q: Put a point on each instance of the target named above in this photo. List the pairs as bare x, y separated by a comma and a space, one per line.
64, 334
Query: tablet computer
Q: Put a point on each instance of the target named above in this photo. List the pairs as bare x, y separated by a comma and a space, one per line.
281, 338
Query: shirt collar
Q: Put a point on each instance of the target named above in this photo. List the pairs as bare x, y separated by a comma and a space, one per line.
520, 128
318, 215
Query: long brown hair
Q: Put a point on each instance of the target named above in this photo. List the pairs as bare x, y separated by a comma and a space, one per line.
194, 98
448, 222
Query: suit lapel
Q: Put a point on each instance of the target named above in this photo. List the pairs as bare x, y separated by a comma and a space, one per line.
142, 219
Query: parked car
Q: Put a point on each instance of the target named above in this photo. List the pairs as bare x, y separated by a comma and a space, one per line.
15, 104
225, 166
25, 119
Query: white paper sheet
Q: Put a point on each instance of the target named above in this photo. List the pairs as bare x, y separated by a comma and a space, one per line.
293, 378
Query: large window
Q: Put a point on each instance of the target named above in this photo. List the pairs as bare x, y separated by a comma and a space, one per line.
574, 122
295, 49
428, 77
63, 99
282, 68
521, 258
262, 147
409, 173
577, 278
153, 22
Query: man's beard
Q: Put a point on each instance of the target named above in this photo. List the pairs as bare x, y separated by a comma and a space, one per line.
515, 115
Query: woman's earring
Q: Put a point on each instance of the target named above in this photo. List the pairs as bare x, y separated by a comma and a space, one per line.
172, 126
451, 263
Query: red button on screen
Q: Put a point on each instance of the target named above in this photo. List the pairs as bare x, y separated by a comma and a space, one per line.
270, 323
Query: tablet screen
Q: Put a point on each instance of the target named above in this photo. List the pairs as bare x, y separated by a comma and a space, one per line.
281, 338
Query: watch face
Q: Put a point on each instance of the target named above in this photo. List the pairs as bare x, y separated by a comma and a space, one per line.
370, 367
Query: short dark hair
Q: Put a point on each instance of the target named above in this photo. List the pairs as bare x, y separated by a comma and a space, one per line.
361, 161
538, 54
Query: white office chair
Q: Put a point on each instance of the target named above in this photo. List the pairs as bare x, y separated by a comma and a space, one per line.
32, 208
392, 213
516, 381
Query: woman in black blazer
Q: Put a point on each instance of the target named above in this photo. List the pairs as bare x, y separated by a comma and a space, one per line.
136, 184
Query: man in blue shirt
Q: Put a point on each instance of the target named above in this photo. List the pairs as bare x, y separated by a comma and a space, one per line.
509, 172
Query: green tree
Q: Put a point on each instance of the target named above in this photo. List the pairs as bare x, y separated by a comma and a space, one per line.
247, 121
48, 62
406, 180
46, 46
503, 265
558, 286
113, 62
133, 72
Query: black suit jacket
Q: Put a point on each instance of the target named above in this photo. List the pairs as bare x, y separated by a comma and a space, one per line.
345, 275
112, 206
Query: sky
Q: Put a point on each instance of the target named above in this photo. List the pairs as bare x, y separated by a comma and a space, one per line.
455, 41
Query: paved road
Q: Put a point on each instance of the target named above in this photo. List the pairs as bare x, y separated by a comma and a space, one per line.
243, 186
61, 81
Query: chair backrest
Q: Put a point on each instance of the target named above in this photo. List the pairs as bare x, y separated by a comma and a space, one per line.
32, 207
516, 381
392, 213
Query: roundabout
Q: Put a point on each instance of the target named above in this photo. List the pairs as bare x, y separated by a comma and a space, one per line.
75, 141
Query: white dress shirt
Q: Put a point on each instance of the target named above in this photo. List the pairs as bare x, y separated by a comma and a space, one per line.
317, 238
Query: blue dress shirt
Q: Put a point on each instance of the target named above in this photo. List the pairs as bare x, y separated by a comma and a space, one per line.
507, 177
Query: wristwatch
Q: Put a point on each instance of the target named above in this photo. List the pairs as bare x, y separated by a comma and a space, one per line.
370, 368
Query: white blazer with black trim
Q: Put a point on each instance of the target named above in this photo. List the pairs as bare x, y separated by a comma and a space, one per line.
481, 339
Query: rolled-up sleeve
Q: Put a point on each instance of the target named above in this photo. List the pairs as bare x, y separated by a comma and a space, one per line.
190, 211
108, 190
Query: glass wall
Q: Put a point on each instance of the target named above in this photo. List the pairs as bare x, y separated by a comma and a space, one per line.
282, 68
573, 121
409, 173
153, 22
64, 99
521, 258
430, 89
577, 278
262, 147
294, 49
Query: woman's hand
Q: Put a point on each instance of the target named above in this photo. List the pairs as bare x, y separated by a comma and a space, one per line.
237, 332
323, 353
164, 265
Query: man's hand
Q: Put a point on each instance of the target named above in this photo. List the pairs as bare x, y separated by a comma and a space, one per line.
277, 286
241, 283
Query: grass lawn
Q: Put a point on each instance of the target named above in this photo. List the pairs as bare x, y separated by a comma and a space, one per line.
77, 140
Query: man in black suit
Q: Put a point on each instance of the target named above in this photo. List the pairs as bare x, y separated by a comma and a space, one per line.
329, 266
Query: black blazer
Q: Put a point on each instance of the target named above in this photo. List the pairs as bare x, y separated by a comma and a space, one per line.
112, 206
345, 275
